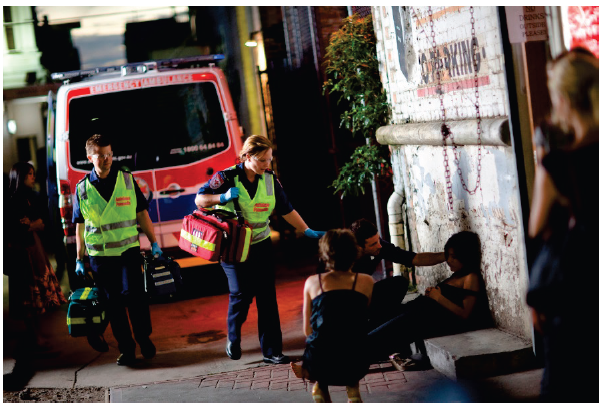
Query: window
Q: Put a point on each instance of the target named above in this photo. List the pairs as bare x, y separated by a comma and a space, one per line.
151, 128
10, 34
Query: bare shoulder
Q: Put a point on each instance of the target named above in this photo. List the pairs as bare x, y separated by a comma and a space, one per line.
471, 282
311, 283
365, 279
365, 284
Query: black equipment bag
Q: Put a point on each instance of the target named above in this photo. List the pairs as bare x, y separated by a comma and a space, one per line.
162, 276
86, 313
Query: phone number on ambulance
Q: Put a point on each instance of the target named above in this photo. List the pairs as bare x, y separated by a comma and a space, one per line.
198, 147
141, 83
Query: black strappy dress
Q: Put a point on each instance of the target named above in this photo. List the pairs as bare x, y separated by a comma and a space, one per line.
425, 318
336, 351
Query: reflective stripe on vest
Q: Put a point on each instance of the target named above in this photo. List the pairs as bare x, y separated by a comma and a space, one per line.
256, 211
110, 227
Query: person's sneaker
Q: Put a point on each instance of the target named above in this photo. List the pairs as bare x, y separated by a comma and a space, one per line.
233, 350
276, 359
148, 349
97, 342
126, 359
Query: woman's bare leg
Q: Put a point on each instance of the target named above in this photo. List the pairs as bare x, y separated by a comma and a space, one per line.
320, 393
354, 394
299, 371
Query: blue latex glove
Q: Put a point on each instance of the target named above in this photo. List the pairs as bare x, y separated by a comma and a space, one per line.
313, 233
79, 267
155, 250
229, 195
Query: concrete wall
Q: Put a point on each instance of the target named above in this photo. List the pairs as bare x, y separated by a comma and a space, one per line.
406, 55
27, 113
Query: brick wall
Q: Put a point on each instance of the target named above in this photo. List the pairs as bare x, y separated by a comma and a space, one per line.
407, 55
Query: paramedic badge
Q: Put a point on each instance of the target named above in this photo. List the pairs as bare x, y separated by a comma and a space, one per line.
216, 181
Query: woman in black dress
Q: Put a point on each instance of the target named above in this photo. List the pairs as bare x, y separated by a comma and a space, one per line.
564, 222
335, 320
457, 304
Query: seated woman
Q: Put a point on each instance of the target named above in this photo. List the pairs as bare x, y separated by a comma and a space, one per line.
457, 304
335, 320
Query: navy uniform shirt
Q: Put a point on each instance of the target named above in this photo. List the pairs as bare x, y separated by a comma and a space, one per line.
224, 180
105, 186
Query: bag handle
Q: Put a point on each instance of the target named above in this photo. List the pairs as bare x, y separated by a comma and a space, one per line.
219, 213
238, 212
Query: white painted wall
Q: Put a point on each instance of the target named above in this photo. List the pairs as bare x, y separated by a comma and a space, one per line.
494, 210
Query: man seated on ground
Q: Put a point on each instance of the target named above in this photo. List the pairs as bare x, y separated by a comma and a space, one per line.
388, 293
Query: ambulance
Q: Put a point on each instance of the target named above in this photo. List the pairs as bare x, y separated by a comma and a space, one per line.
173, 125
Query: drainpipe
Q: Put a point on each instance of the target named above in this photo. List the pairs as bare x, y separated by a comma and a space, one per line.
397, 209
396, 226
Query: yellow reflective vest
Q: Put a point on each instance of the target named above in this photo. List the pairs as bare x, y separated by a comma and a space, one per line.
256, 211
110, 226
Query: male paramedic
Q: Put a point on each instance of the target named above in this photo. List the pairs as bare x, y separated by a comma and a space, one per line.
108, 206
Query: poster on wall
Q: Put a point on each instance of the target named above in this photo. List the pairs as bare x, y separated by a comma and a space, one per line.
584, 27
526, 23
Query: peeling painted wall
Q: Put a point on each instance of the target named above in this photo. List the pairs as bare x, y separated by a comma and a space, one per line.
406, 55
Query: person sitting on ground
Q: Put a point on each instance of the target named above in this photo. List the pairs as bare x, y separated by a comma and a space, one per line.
335, 320
388, 293
457, 304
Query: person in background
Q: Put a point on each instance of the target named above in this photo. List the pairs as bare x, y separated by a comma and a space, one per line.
563, 222
107, 208
457, 304
335, 320
33, 287
388, 294
258, 192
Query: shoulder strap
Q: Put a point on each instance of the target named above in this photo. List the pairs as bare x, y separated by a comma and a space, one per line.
355, 281
238, 212
81, 188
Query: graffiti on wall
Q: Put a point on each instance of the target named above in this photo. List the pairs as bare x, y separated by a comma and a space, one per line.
458, 60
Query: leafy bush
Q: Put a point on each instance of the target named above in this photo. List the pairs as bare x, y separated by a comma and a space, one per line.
353, 73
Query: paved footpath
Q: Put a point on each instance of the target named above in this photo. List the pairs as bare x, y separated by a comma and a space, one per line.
278, 384
383, 384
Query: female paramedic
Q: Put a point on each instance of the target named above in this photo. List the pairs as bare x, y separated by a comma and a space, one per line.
258, 193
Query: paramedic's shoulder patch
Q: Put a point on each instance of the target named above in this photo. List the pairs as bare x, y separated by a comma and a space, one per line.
217, 180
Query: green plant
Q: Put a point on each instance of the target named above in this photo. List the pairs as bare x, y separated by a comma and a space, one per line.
353, 73
365, 162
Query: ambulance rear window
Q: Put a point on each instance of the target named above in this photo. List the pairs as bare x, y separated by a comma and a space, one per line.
150, 128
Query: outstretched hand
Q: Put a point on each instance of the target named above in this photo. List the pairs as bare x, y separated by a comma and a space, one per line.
313, 233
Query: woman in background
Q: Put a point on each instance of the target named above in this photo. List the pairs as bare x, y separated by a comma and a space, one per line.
32, 285
564, 221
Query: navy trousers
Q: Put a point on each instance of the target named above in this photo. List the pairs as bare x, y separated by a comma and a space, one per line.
120, 278
255, 278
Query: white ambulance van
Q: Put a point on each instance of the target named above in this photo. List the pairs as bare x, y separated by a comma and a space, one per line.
172, 122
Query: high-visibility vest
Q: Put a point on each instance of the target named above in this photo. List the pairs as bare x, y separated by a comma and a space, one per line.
256, 211
110, 226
